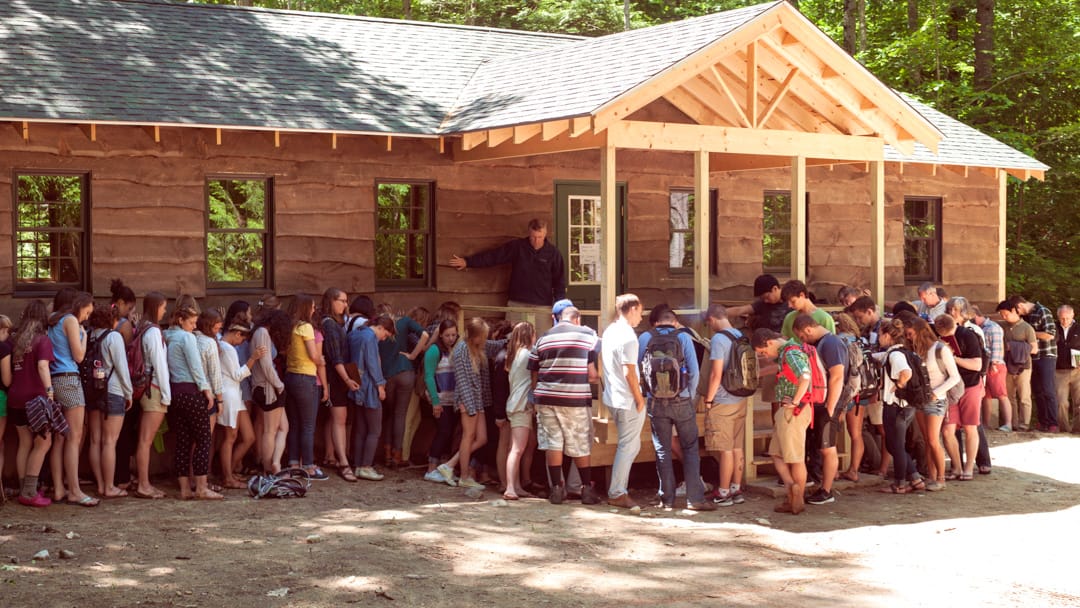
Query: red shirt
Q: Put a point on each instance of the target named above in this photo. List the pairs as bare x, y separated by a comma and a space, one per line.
25, 379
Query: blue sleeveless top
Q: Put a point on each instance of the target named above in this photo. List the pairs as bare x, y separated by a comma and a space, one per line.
65, 362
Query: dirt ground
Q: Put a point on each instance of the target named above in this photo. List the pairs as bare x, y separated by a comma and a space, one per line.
1001, 540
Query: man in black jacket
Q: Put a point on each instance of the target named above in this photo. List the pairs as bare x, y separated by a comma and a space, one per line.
537, 269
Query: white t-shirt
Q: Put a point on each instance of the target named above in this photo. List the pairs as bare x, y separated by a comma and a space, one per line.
897, 364
618, 348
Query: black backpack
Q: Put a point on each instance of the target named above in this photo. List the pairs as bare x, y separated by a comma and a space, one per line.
95, 384
984, 367
664, 365
917, 391
740, 377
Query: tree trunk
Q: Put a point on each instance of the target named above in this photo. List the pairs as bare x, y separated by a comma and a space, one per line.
794, 3
913, 15
862, 25
626, 15
984, 45
957, 12
406, 9
851, 25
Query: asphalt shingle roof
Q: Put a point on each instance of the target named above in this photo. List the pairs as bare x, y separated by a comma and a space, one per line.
155, 62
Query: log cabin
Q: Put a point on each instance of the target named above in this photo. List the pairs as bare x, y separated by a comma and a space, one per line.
228, 151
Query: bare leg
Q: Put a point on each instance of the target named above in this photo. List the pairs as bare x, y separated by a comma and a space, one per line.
336, 420
228, 442
854, 419
472, 439
279, 440
830, 462
269, 455
932, 436
1005, 411
952, 447
971, 444
110, 428
148, 428
247, 438
501, 453
94, 419
519, 440
886, 457
76, 417
56, 467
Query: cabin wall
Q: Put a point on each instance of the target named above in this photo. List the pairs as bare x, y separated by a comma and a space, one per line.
148, 213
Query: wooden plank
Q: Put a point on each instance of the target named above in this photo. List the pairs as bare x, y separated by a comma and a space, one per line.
561, 143
702, 237
877, 228
643, 94
609, 244
277, 139
690, 105
722, 86
752, 83
524, 133
473, 139
691, 138
217, 136
553, 128
798, 218
333, 141
801, 115
777, 98
498, 136
580, 125
1002, 200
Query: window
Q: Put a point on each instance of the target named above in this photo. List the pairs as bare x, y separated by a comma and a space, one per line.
922, 239
238, 232
776, 232
681, 230
404, 247
51, 217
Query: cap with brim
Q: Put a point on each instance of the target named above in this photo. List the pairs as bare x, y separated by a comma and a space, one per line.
560, 306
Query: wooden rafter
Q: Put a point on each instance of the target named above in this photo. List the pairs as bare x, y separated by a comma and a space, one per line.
695, 108
722, 87
498, 136
554, 128
564, 142
778, 96
473, 139
580, 125
524, 133
795, 112
752, 83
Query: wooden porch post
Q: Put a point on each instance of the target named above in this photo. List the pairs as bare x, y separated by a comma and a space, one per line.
877, 236
702, 238
798, 218
609, 209
1003, 193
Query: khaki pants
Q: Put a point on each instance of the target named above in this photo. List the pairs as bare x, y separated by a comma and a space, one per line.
1018, 388
1067, 382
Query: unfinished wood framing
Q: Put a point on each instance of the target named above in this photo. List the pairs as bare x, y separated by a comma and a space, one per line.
609, 212
798, 218
1002, 205
702, 237
877, 236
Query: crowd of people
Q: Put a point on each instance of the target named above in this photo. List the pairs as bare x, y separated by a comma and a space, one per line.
358, 378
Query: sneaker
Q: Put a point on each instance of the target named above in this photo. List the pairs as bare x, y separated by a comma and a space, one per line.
39, 500
447, 473
1005, 428
558, 495
589, 496
368, 473
622, 500
737, 497
469, 482
434, 476
723, 501
318, 474
821, 497
701, 506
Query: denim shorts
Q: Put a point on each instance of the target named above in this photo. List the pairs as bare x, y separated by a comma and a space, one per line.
114, 405
935, 408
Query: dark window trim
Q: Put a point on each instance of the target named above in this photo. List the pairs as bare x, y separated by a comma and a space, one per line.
937, 205
269, 232
20, 289
428, 282
714, 209
786, 270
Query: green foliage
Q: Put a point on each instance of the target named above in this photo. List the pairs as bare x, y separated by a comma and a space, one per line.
402, 237
776, 231
236, 239
48, 235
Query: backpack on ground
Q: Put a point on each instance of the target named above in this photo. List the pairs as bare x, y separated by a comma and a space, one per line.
664, 365
141, 373
864, 376
95, 381
818, 383
917, 391
291, 483
740, 377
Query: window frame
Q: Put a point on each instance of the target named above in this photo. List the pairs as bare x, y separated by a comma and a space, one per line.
22, 288
785, 271
268, 232
428, 281
936, 206
714, 202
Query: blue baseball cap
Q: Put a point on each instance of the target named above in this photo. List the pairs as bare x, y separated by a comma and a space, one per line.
560, 306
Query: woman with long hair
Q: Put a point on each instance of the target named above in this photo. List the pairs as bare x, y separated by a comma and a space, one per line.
848, 331
335, 349
472, 392
69, 347
439, 381
897, 414
397, 356
234, 415
240, 313
207, 326
941, 366
367, 418
155, 401
31, 354
189, 412
301, 372
273, 330
106, 417
519, 412
123, 300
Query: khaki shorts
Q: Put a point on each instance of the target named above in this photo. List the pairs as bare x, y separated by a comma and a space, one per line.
789, 434
725, 427
151, 401
564, 429
522, 419
875, 412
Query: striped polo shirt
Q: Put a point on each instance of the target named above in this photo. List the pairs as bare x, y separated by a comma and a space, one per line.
561, 359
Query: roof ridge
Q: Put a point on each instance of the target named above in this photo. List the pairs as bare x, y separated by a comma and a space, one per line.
320, 15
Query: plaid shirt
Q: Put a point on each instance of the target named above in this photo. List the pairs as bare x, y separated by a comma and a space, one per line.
797, 361
1043, 321
995, 341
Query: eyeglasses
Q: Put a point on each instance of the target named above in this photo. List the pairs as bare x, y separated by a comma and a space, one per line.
342, 300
